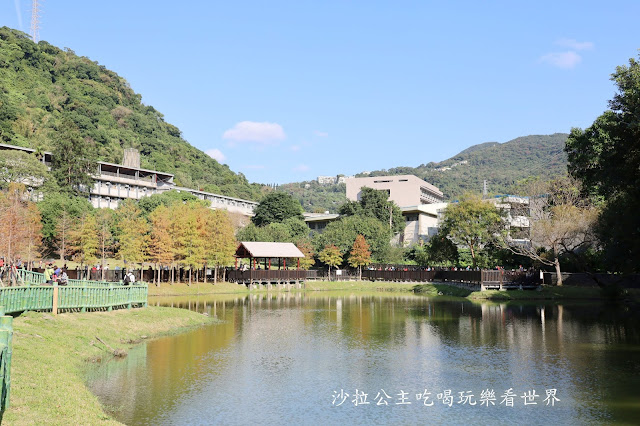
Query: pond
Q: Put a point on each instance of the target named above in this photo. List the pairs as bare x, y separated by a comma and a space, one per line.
364, 358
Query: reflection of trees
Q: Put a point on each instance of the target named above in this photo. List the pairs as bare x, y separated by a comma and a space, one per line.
579, 347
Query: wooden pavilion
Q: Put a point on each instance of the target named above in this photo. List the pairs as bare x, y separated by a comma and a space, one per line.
260, 271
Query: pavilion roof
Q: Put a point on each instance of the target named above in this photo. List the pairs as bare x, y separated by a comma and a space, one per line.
267, 250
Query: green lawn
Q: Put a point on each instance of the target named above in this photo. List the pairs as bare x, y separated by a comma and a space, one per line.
52, 354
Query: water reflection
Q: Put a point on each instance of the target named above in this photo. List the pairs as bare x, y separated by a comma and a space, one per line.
282, 355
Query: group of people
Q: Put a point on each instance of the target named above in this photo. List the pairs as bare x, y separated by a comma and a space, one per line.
54, 274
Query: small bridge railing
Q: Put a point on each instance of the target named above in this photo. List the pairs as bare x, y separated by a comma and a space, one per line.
76, 295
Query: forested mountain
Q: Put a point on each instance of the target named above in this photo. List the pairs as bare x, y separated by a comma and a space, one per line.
503, 165
44, 89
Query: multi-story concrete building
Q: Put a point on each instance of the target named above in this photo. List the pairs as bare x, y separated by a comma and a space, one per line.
404, 190
116, 182
422, 222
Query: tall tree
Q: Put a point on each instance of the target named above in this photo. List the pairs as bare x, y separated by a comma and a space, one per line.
374, 203
562, 221
58, 212
342, 233
276, 207
74, 159
83, 239
439, 250
104, 229
360, 255
221, 243
161, 246
606, 158
21, 167
306, 248
33, 225
132, 231
189, 235
19, 231
330, 256
472, 223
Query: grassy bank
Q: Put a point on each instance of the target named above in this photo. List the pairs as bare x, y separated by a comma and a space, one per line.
431, 289
51, 356
545, 293
182, 289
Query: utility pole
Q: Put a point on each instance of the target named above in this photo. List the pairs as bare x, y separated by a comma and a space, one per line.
35, 20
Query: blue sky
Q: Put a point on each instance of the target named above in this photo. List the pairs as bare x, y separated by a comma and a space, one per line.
287, 91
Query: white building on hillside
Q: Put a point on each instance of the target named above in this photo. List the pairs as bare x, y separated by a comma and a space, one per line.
116, 182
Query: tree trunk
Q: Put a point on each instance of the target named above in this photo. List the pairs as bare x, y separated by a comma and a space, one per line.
215, 274
172, 276
189, 275
556, 263
473, 256
359, 273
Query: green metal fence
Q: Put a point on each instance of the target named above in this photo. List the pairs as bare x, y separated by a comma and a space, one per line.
6, 335
76, 295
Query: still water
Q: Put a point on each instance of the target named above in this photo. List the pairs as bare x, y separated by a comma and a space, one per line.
344, 358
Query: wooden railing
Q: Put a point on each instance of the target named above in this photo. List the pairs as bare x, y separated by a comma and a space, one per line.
266, 275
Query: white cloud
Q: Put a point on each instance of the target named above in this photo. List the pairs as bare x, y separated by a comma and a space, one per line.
295, 148
564, 60
573, 44
301, 168
250, 131
216, 154
320, 134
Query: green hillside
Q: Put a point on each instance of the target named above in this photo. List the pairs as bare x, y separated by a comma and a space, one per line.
503, 165
45, 89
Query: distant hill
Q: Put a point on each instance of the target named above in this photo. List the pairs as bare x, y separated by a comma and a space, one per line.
503, 165
43, 86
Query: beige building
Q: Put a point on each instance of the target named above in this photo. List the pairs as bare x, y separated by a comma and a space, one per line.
404, 190
421, 223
